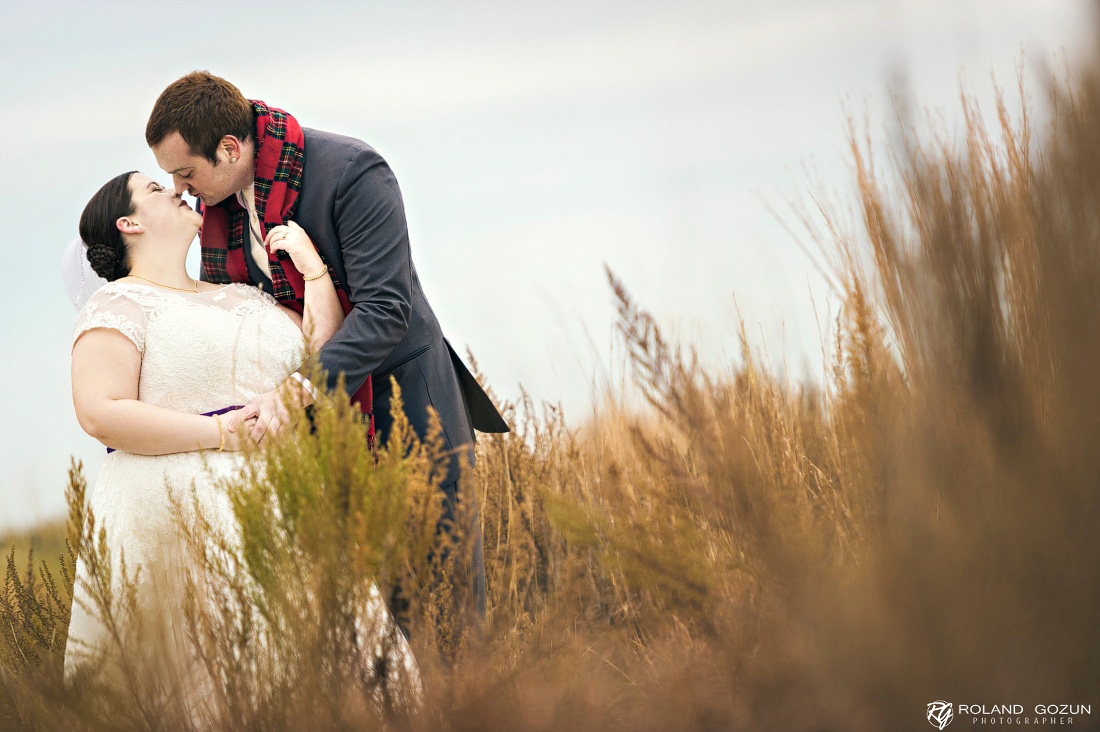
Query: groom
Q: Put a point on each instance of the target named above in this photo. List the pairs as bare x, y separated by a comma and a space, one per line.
254, 167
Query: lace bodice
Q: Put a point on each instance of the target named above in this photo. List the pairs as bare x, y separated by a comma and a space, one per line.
199, 351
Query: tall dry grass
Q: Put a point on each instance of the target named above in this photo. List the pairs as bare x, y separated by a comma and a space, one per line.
739, 552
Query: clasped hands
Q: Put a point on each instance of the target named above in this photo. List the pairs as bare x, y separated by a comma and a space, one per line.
264, 417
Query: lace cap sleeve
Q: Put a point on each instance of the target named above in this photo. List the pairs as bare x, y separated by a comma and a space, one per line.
111, 307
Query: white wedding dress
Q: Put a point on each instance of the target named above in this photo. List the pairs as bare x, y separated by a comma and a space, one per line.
200, 352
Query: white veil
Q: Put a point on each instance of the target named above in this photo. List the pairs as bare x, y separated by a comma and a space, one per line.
80, 280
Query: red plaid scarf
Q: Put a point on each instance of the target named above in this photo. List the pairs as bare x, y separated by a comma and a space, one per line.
280, 157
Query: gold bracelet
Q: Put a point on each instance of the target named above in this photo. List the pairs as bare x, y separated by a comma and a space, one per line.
319, 275
221, 431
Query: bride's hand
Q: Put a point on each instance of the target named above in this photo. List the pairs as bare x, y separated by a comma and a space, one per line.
235, 440
293, 240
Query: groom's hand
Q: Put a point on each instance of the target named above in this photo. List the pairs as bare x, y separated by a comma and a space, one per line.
269, 412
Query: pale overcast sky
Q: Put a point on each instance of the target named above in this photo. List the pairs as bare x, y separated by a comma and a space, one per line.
534, 143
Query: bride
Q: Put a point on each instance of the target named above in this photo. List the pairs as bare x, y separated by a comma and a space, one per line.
158, 361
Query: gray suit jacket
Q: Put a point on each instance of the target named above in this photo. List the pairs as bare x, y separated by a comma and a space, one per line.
351, 207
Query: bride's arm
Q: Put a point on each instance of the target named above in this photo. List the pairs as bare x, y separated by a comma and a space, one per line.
106, 367
322, 312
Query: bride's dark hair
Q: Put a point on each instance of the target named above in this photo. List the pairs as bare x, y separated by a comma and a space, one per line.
106, 249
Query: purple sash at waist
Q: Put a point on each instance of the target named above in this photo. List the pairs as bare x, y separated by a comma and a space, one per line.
223, 410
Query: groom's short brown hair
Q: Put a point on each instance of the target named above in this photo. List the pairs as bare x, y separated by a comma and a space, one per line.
203, 108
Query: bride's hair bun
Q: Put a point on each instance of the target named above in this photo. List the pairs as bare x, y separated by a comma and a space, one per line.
105, 261
106, 249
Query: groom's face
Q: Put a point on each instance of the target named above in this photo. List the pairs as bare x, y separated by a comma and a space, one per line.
194, 174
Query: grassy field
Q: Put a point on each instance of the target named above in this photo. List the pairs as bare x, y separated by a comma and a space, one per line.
46, 541
738, 552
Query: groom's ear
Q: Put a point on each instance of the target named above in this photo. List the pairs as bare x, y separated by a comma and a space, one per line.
127, 225
232, 147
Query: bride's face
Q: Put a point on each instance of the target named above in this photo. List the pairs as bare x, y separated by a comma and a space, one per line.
161, 210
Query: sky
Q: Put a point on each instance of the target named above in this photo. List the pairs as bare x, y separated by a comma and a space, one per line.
536, 144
